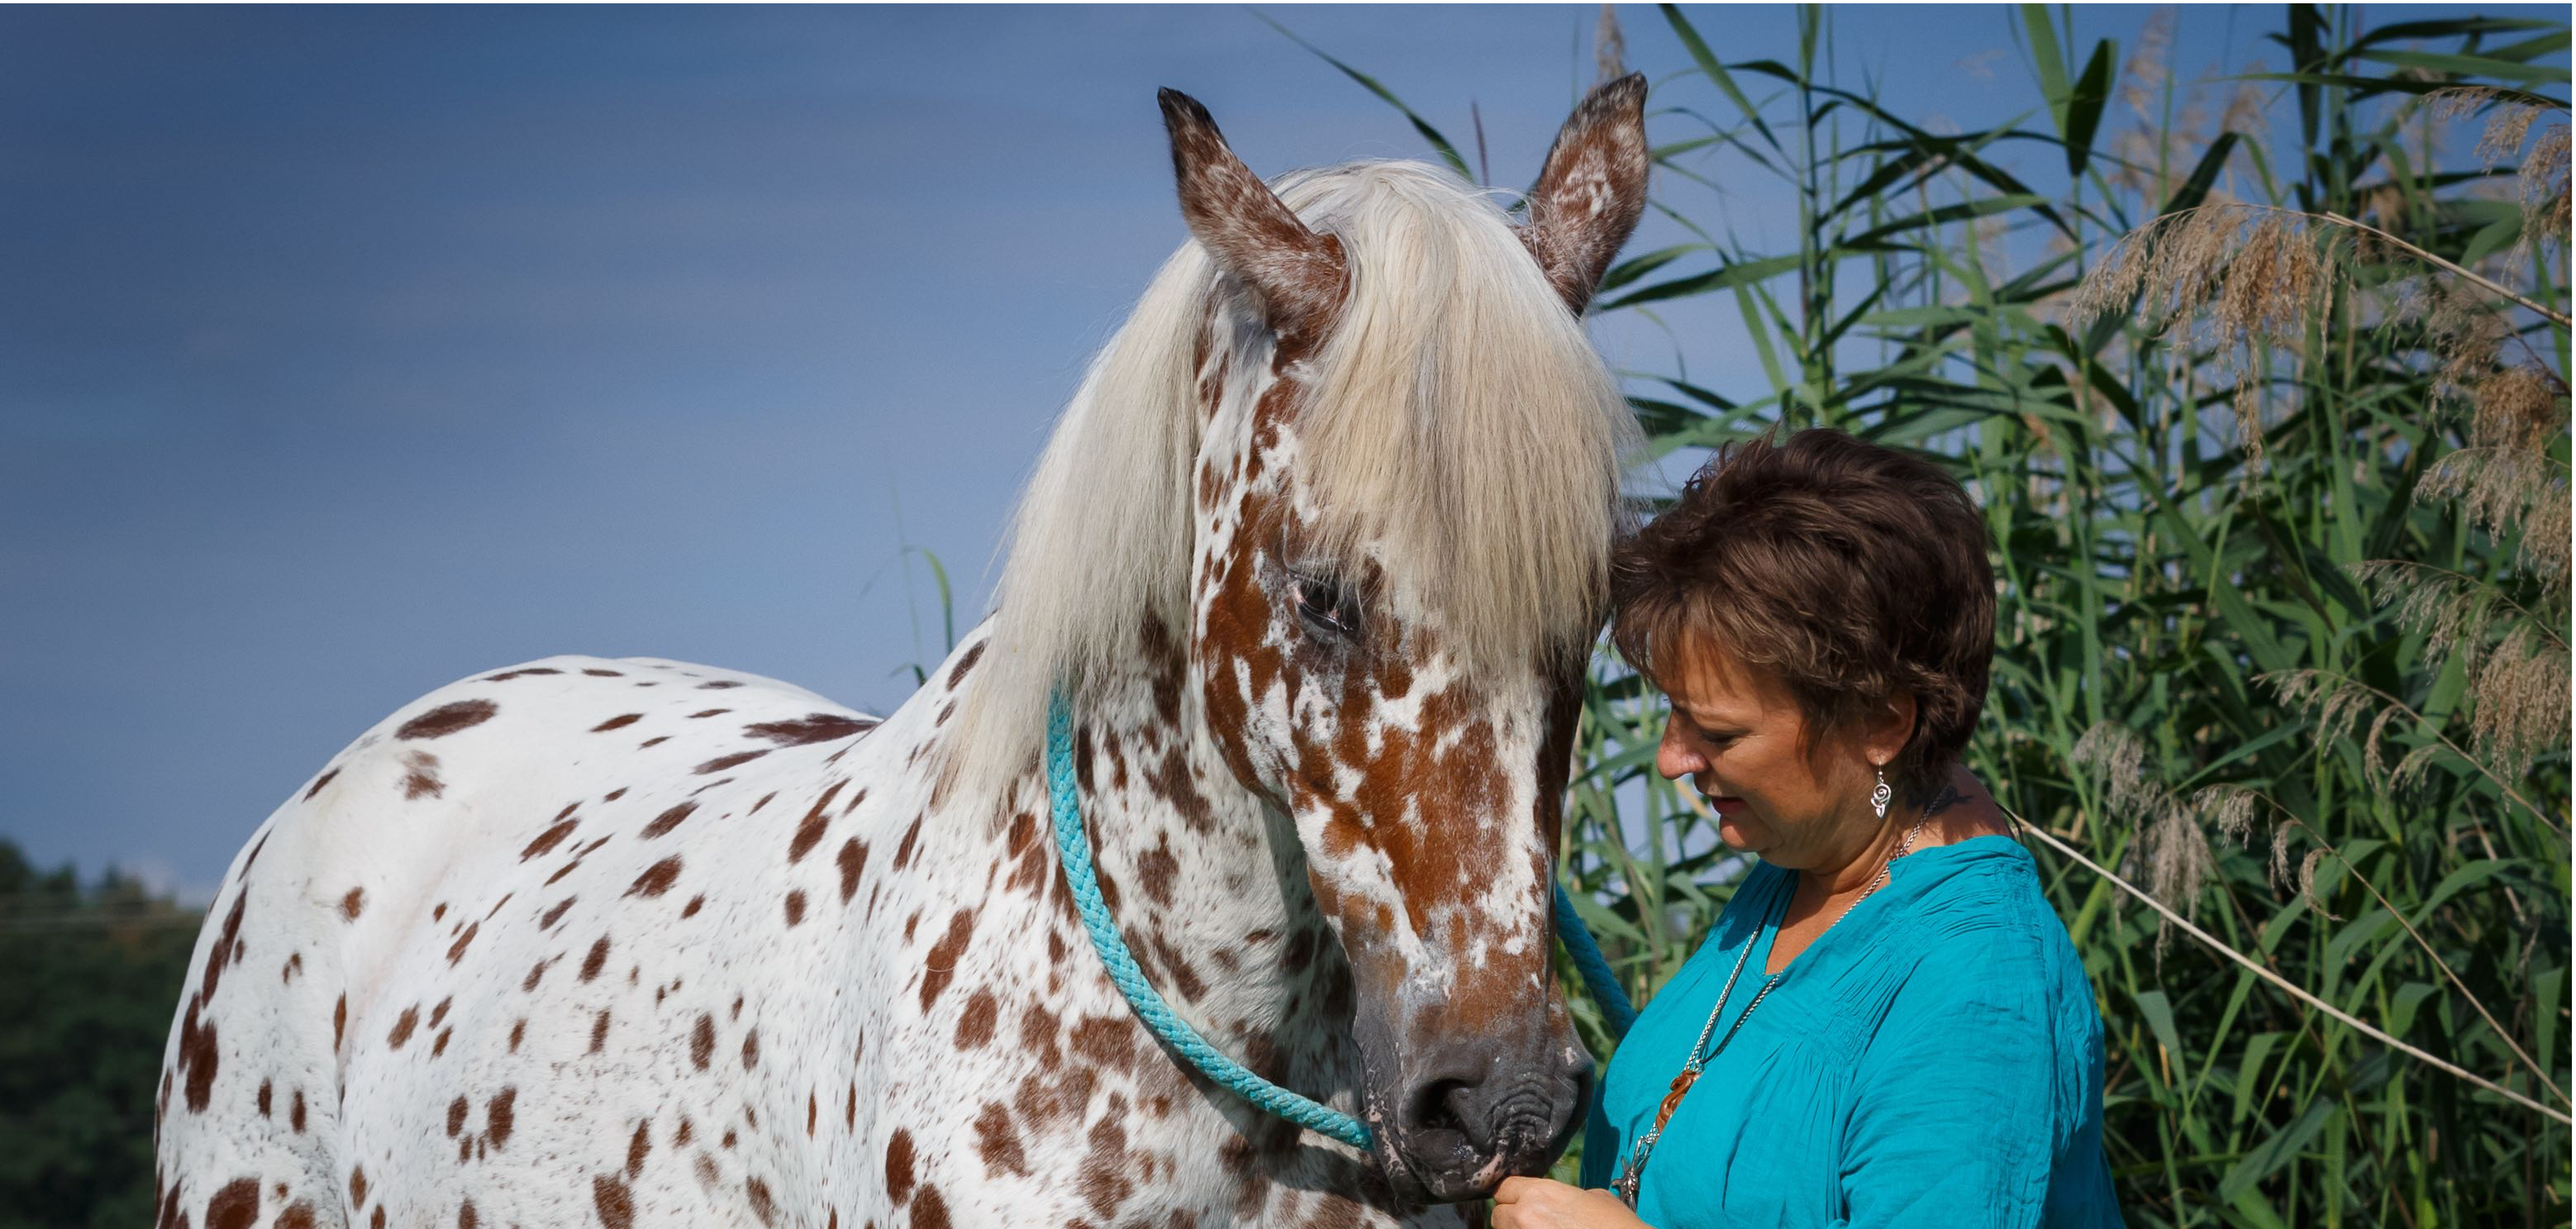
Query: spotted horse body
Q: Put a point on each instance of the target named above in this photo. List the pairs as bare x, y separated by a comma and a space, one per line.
1315, 555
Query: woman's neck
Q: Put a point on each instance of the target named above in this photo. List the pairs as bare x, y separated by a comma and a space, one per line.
1959, 810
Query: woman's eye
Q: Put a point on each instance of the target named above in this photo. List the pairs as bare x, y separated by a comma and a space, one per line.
1322, 604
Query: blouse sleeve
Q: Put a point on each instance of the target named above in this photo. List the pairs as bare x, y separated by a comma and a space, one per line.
1956, 1122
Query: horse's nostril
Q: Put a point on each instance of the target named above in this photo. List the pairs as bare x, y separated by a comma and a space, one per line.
1435, 1106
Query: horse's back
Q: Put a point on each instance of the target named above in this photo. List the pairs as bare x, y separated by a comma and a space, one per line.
393, 955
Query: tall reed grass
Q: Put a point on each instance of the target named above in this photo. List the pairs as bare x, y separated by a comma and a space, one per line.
2271, 429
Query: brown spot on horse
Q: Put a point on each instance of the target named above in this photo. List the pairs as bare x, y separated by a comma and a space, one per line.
667, 820
447, 719
942, 962
656, 878
817, 728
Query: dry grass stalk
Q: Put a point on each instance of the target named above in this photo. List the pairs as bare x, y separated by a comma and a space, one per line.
2232, 806
2284, 984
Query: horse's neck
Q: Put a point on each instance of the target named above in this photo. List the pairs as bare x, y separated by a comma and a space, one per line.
1209, 887
1207, 883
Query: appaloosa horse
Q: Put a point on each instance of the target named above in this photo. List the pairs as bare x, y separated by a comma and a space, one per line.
1316, 553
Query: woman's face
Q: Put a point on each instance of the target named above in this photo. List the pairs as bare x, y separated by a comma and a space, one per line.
1735, 732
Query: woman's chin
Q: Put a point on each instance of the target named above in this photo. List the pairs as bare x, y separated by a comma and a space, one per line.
1740, 836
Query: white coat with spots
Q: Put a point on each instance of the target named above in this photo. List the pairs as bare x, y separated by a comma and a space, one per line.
1316, 551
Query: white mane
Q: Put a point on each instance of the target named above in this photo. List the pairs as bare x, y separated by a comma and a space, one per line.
1459, 421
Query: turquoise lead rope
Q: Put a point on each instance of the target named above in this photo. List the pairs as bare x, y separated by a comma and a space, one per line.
1616, 1010
1075, 847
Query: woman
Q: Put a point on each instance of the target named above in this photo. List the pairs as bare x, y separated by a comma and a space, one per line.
1888, 1025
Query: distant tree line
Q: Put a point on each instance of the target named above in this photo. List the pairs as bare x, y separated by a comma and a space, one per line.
89, 973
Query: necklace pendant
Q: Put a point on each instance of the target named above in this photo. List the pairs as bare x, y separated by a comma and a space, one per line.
1673, 1100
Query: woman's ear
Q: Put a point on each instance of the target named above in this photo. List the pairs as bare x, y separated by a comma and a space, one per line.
1889, 729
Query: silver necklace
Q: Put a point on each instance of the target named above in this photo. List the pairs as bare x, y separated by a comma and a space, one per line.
1702, 1052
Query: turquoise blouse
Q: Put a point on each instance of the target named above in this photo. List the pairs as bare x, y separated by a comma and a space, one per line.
1933, 1059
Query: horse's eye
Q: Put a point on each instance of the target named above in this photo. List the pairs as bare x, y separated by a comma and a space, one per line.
1324, 606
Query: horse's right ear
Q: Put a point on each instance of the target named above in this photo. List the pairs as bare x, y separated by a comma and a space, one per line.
1298, 274
1592, 191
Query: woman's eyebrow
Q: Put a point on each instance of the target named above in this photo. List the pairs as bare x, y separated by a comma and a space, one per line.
1707, 720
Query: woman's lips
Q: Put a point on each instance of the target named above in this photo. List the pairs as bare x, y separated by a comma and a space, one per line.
1726, 804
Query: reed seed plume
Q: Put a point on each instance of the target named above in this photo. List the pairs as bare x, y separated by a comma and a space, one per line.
2461, 330
2228, 280
2172, 851
1609, 49
2308, 884
2244, 113
2518, 701
2170, 848
2145, 74
2337, 705
2540, 181
2229, 810
2507, 491
2515, 661
2452, 611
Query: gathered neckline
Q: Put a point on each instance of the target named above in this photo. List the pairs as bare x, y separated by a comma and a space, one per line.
1988, 844
1766, 931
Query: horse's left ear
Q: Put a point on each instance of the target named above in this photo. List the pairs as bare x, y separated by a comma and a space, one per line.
1299, 275
1593, 189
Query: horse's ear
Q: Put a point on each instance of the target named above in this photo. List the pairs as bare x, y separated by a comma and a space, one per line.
1592, 190
1299, 275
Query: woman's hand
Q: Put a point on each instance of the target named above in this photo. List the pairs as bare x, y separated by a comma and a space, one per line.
1537, 1203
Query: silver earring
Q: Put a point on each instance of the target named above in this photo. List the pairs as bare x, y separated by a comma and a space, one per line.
1878, 798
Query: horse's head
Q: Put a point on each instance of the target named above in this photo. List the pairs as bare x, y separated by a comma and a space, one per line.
1405, 486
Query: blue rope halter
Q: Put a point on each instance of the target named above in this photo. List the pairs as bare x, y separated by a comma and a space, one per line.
1074, 846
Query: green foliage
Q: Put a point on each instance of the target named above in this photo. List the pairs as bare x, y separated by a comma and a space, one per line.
92, 973
2271, 431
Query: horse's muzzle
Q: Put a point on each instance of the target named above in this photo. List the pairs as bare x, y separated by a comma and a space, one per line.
1472, 1113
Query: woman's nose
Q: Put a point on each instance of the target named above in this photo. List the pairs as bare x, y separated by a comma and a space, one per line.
1674, 756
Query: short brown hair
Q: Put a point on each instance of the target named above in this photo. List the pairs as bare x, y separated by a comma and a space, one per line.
1850, 571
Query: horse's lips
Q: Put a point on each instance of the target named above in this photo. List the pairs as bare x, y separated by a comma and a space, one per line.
1394, 1169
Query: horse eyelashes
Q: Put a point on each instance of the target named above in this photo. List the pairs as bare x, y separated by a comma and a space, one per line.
1323, 604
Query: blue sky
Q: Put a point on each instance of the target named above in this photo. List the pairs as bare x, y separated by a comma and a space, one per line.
346, 352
